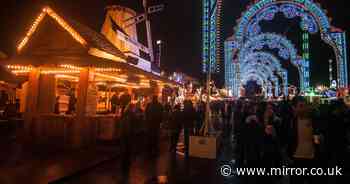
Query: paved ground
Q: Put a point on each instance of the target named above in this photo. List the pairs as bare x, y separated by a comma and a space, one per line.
173, 169
102, 165
40, 168
147, 170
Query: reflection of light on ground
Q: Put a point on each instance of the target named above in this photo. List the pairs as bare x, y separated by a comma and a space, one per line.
162, 179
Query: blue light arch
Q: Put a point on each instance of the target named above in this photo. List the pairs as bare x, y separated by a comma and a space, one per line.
313, 20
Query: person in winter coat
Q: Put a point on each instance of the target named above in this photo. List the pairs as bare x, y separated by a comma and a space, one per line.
175, 127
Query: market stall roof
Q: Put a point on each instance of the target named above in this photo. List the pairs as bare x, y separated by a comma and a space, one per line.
96, 40
54, 40
9, 77
47, 32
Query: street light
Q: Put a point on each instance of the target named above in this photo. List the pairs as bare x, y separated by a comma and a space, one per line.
330, 71
159, 43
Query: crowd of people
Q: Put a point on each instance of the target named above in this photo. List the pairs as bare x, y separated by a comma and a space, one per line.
291, 133
8, 107
173, 118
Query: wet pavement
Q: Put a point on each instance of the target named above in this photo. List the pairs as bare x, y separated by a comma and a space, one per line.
43, 168
167, 168
103, 165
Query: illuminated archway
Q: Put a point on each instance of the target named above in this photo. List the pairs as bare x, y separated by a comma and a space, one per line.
266, 62
260, 79
286, 49
313, 20
269, 81
264, 73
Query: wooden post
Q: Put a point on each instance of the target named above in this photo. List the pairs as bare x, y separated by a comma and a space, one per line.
47, 94
109, 96
80, 123
30, 130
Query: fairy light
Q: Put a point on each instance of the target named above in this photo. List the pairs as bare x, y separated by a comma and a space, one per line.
19, 67
58, 19
64, 24
72, 67
108, 70
20, 71
31, 30
59, 71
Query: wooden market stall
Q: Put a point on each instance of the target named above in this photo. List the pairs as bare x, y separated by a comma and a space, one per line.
62, 60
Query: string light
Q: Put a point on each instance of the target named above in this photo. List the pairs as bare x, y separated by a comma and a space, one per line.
58, 71
108, 70
20, 71
58, 19
19, 67
71, 67
286, 49
290, 9
64, 24
31, 30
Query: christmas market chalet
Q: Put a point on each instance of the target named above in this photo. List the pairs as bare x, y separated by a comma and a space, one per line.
59, 56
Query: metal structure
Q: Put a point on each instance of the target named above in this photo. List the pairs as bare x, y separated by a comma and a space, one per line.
267, 63
313, 20
211, 35
144, 17
330, 72
159, 43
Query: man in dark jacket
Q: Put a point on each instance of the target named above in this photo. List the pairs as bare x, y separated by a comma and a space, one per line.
175, 126
114, 102
125, 99
303, 137
127, 122
189, 118
154, 116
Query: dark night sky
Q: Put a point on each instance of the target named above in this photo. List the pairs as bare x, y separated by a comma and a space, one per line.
179, 26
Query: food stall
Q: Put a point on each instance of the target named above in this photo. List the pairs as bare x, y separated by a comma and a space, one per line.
72, 73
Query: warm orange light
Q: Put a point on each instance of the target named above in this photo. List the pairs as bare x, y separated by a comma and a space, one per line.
114, 78
59, 20
120, 85
59, 71
19, 67
20, 71
61, 76
72, 67
64, 24
31, 30
101, 54
108, 70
